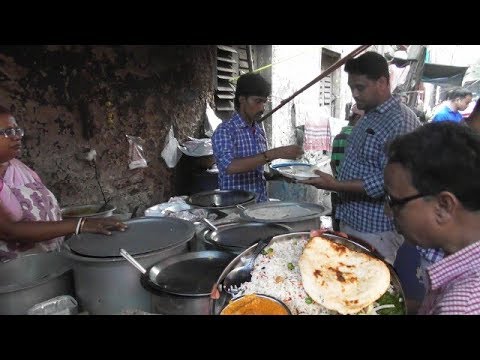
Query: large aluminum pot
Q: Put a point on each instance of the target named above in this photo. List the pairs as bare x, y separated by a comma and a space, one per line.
105, 283
223, 201
181, 284
91, 210
106, 286
32, 279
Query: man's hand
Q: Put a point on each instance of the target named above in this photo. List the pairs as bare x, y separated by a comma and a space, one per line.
323, 181
285, 152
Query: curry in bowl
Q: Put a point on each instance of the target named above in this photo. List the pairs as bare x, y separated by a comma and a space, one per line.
255, 304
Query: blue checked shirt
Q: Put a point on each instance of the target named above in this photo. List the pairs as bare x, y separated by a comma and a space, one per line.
365, 159
432, 255
235, 139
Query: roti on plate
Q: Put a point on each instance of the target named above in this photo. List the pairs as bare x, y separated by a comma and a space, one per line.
341, 279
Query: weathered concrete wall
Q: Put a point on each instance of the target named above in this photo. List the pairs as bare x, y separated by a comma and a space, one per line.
73, 98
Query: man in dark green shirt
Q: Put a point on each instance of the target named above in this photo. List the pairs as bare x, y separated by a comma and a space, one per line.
338, 153
340, 141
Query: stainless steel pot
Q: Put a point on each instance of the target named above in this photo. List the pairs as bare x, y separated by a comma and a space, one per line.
223, 201
88, 211
32, 279
105, 283
236, 237
106, 286
181, 284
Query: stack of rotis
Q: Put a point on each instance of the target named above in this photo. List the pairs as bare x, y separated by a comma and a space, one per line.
341, 279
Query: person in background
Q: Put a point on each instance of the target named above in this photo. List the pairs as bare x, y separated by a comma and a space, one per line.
457, 100
340, 141
360, 180
436, 204
25, 200
240, 145
338, 153
473, 120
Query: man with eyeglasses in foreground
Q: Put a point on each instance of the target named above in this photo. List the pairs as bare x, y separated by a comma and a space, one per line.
433, 195
30, 217
240, 145
359, 184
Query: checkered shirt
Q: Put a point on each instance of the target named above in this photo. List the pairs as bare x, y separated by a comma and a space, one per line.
365, 159
235, 139
454, 284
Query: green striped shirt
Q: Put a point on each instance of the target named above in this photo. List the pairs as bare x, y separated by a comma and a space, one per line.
338, 146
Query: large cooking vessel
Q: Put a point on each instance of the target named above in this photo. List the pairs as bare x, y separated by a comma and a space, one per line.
105, 283
299, 216
236, 237
181, 284
224, 201
91, 210
32, 279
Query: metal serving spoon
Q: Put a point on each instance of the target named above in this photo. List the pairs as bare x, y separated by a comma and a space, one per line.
243, 273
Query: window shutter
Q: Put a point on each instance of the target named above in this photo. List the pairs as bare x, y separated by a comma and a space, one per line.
232, 61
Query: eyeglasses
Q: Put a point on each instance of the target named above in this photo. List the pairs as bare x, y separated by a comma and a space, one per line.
392, 202
11, 132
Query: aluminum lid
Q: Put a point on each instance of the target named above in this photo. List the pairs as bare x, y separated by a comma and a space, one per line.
220, 199
244, 235
143, 235
191, 274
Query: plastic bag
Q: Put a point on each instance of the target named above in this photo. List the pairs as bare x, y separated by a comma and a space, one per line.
170, 153
136, 158
197, 147
212, 121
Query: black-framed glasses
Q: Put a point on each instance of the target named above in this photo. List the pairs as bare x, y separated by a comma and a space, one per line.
392, 202
11, 132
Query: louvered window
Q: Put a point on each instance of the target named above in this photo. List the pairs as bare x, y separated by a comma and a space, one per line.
232, 61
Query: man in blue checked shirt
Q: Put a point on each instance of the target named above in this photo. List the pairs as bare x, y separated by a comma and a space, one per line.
360, 180
239, 144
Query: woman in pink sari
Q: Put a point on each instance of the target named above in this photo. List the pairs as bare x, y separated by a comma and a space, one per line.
24, 198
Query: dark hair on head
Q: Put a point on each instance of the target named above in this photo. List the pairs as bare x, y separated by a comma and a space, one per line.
251, 84
441, 156
371, 64
4, 111
458, 93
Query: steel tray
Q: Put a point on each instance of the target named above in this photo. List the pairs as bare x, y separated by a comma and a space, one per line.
314, 210
219, 297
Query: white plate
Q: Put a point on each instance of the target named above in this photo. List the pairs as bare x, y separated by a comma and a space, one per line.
298, 172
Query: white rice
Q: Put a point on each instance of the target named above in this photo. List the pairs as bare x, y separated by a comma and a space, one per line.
267, 270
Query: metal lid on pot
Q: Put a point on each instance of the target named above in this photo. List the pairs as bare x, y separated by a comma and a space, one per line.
243, 235
190, 274
143, 235
219, 199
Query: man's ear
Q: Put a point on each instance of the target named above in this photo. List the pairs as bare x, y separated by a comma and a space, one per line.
447, 205
383, 81
242, 99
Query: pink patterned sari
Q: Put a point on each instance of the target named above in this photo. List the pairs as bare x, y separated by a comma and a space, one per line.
25, 198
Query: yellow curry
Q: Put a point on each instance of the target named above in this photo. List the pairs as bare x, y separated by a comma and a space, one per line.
254, 305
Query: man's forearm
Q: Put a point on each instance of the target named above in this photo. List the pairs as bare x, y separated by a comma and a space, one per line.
246, 164
355, 186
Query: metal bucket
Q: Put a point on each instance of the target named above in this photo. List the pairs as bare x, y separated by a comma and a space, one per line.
31, 279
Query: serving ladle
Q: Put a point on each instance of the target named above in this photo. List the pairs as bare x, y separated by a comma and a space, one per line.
243, 273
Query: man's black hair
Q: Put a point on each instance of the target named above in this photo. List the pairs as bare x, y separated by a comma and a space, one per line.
441, 156
371, 64
251, 84
458, 93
